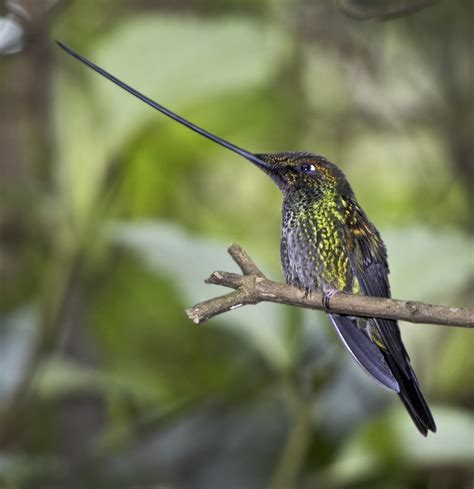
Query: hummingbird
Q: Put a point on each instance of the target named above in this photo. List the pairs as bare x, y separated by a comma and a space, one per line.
328, 244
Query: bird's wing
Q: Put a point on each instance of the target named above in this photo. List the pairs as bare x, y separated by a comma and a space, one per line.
369, 266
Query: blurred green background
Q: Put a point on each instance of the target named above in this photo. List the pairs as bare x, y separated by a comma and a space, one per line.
111, 216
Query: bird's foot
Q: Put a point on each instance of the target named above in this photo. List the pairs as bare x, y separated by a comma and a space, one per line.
307, 293
327, 298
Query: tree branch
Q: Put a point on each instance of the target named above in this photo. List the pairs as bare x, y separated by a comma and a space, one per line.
253, 287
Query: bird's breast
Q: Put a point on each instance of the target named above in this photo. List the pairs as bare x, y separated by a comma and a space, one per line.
313, 249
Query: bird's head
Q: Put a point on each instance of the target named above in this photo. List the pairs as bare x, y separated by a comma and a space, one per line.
304, 172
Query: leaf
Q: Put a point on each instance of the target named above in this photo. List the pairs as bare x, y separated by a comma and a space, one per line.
187, 260
19, 334
393, 441
60, 377
428, 264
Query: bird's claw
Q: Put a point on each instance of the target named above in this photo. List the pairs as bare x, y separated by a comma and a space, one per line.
307, 293
327, 298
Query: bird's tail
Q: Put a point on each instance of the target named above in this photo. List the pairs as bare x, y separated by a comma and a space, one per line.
412, 397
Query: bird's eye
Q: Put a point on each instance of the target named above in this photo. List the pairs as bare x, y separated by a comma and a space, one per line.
307, 168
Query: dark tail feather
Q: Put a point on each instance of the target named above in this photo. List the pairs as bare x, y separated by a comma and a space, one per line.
412, 397
366, 353
390, 367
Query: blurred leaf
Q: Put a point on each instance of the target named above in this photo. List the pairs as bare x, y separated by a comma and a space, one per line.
188, 260
428, 264
455, 363
18, 335
60, 377
393, 439
209, 444
24, 469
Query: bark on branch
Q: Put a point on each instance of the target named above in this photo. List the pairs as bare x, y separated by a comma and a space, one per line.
253, 287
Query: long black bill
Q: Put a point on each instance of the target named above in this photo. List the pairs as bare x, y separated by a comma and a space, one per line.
242, 152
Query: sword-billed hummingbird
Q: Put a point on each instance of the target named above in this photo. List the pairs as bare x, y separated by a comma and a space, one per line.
328, 244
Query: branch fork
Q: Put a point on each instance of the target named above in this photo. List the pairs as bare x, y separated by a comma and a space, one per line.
253, 287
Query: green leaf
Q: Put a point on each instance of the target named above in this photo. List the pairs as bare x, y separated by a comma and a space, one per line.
428, 264
392, 441
188, 260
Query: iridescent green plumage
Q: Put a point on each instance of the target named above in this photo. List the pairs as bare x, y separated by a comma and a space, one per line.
328, 243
